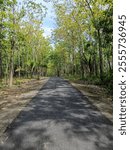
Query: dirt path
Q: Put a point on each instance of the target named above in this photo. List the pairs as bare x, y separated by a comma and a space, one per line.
98, 96
59, 117
13, 100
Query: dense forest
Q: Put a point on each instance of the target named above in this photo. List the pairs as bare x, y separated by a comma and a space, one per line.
80, 46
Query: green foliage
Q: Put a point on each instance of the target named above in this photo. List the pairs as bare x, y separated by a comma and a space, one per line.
82, 40
84, 32
23, 48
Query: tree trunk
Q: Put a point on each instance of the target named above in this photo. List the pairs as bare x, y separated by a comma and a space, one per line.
19, 66
109, 64
1, 69
95, 66
11, 72
100, 56
82, 69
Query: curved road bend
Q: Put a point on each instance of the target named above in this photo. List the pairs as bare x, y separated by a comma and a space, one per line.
59, 117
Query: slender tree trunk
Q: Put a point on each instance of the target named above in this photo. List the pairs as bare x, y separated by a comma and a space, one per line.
90, 67
73, 61
19, 66
109, 64
95, 66
100, 56
1, 29
6, 72
1, 69
11, 73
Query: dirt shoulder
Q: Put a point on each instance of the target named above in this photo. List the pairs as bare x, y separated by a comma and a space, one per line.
13, 100
98, 96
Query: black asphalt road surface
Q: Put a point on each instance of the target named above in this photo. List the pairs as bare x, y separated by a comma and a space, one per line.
59, 117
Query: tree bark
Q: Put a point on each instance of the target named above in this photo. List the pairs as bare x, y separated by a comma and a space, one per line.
1, 69
11, 73
11, 68
100, 56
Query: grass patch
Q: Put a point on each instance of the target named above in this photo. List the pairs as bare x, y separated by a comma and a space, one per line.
106, 83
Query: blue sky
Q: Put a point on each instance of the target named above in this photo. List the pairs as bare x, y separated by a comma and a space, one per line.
48, 22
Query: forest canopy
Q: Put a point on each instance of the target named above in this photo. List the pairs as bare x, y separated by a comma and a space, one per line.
82, 41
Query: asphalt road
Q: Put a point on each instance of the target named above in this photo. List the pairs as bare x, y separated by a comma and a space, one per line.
59, 117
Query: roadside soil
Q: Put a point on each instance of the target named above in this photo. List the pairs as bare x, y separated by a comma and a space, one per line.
98, 96
59, 118
13, 100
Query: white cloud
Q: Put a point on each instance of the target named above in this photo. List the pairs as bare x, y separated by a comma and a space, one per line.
47, 31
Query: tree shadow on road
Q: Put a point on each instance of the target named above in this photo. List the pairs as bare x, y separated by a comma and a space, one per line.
58, 116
